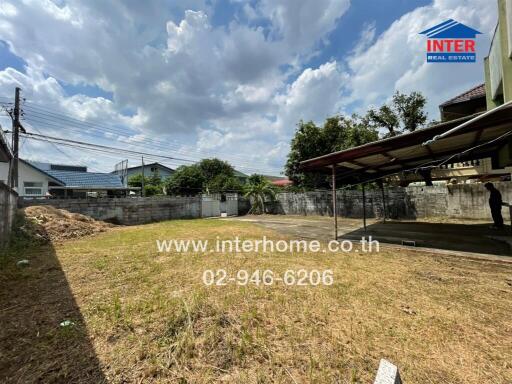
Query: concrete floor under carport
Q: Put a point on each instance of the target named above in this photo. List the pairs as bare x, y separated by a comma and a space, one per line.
449, 236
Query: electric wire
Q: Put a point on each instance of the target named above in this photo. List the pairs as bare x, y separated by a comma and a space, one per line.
36, 110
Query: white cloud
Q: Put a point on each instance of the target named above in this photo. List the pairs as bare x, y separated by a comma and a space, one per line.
315, 95
302, 23
182, 76
236, 90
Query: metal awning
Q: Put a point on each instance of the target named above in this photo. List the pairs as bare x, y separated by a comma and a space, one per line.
470, 138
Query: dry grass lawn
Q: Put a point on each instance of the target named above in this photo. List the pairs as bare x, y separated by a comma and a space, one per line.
145, 317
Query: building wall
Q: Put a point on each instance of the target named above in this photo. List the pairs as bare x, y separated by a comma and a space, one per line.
498, 66
469, 201
504, 17
164, 173
4, 172
25, 174
8, 205
129, 211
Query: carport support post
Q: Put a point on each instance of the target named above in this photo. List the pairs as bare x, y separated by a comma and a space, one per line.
381, 185
334, 210
510, 210
364, 209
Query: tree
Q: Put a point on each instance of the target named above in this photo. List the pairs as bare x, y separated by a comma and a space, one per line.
223, 183
338, 133
209, 175
405, 113
153, 184
155, 179
219, 176
259, 190
186, 180
212, 168
256, 179
152, 190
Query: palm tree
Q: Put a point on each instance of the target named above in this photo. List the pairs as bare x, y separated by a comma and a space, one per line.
259, 192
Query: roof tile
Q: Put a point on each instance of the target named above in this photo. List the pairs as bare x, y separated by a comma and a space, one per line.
473, 93
87, 179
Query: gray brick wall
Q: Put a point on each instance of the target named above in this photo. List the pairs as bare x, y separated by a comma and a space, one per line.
458, 201
8, 206
129, 211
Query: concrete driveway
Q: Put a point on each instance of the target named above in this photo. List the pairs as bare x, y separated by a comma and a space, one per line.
461, 236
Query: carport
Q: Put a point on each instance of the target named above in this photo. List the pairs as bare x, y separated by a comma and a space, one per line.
470, 138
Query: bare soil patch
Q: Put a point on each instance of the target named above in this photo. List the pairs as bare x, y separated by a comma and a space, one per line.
52, 224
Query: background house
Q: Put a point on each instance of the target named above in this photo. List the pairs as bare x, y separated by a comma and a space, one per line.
468, 103
32, 182
149, 170
41, 180
278, 181
241, 177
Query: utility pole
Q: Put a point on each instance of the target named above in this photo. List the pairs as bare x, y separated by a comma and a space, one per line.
16, 137
142, 192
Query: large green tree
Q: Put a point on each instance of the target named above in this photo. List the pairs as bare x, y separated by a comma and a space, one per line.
186, 180
405, 113
338, 133
209, 175
153, 185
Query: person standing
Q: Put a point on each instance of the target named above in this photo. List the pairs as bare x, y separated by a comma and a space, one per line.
495, 203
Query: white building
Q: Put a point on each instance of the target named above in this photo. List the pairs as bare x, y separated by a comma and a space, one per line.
40, 180
32, 182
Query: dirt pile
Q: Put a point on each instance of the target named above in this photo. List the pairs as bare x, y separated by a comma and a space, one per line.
47, 223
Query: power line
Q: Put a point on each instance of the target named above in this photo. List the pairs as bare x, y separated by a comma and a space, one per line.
46, 114
62, 151
105, 147
47, 117
152, 144
153, 147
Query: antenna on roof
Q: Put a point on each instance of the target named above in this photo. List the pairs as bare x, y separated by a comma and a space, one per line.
121, 169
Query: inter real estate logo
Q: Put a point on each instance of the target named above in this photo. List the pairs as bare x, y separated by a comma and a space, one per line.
451, 42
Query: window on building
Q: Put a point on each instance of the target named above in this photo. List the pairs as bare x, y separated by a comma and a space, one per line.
154, 169
33, 188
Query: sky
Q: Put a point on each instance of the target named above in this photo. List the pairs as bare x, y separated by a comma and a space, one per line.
191, 79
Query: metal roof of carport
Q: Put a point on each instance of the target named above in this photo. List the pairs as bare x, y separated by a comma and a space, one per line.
388, 156
472, 137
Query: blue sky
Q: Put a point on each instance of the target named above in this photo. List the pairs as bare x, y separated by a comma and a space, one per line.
340, 41
210, 78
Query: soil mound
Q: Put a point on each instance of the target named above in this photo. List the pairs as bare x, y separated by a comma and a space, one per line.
48, 223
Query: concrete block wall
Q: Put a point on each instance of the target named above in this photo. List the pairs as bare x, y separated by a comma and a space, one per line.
349, 203
468, 201
8, 206
129, 211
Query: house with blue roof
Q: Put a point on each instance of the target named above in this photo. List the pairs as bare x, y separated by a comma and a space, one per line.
46, 180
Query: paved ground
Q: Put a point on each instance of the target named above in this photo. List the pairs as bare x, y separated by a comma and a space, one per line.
472, 237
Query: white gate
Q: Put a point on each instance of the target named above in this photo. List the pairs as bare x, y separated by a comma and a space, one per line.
215, 205
232, 204
210, 206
